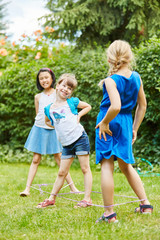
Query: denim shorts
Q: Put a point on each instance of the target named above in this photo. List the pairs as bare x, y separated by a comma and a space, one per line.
79, 147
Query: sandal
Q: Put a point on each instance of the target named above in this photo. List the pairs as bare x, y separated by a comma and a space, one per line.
83, 204
24, 194
46, 203
107, 219
143, 207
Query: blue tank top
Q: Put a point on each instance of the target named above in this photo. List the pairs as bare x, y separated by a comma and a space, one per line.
128, 89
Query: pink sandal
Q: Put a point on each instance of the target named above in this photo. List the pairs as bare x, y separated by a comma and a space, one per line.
46, 203
83, 204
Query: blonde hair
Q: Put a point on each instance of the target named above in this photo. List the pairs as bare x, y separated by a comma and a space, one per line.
69, 79
119, 53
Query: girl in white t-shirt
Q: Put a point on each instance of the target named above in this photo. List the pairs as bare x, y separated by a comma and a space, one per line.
42, 139
63, 115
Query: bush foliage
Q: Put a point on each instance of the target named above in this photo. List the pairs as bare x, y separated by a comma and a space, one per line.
148, 65
18, 87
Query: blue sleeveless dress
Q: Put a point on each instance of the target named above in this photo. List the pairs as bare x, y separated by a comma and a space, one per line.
120, 143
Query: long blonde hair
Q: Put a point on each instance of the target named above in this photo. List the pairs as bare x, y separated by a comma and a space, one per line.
119, 53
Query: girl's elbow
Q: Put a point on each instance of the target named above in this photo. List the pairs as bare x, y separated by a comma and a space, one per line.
89, 107
143, 106
117, 108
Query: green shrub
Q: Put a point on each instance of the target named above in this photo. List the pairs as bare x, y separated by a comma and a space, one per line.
17, 103
148, 65
18, 87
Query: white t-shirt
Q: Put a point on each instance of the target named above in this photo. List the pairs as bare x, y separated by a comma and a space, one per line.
65, 122
43, 102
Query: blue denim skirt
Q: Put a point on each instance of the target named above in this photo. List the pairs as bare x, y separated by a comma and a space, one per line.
43, 141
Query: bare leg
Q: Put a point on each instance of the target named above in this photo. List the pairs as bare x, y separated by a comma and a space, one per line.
107, 184
32, 172
68, 177
134, 181
84, 163
62, 173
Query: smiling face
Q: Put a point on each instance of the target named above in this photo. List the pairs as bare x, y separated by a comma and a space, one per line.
63, 90
45, 80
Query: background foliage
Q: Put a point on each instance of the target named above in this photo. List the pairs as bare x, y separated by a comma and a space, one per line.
21, 64
148, 65
2, 15
88, 21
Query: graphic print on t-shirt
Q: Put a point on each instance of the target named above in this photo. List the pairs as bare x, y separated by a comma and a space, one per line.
59, 115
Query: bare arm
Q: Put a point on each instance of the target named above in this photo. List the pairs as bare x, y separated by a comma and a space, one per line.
113, 109
48, 122
36, 102
85, 109
140, 111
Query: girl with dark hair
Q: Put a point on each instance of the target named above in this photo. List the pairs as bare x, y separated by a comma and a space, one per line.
42, 139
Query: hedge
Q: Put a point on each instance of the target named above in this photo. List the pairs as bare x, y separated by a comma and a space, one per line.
148, 65
18, 89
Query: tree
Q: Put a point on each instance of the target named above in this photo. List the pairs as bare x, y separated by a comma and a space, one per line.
2, 15
90, 21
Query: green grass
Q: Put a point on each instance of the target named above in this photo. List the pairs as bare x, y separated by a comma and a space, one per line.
19, 219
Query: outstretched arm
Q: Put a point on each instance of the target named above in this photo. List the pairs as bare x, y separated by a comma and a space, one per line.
85, 109
113, 109
140, 111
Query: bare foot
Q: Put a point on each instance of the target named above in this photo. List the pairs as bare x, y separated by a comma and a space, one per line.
76, 191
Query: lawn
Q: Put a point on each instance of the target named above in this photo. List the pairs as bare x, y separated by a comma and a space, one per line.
21, 220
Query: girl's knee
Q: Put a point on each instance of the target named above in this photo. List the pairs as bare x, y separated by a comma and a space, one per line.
125, 168
62, 173
57, 158
85, 169
36, 159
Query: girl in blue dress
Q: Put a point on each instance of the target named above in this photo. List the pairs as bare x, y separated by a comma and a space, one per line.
42, 139
115, 130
